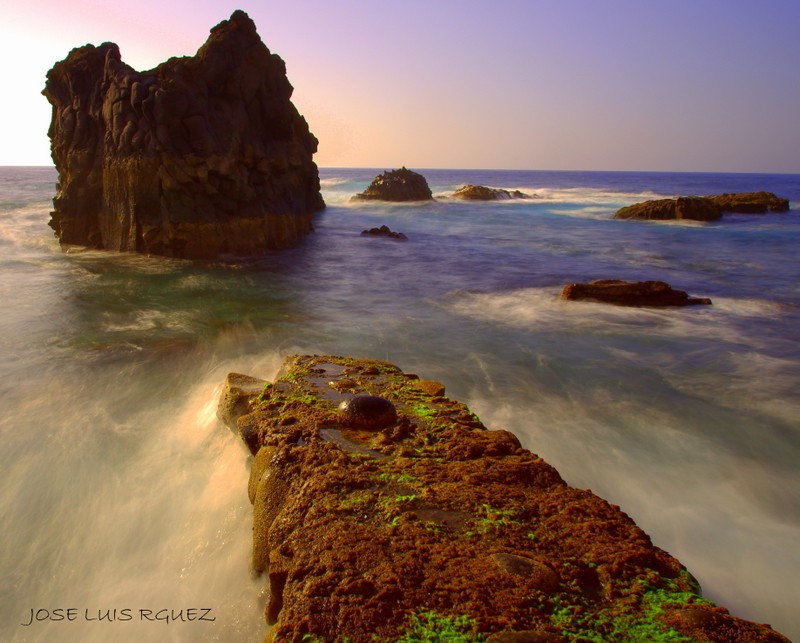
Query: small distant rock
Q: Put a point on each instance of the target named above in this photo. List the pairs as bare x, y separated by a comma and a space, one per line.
631, 293
482, 193
384, 231
397, 185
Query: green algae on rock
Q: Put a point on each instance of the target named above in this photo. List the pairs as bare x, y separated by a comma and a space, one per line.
436, 528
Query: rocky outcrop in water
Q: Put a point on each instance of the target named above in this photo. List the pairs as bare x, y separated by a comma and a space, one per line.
397, 185
383, 510
694, 208
704, 208
384, 231
200, 157
751, 202
631, 293
482, 193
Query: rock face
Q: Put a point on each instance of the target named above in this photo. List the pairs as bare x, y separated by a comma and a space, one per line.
427, 526
483, 193
704, 208
397, 185
631, 293
200, 157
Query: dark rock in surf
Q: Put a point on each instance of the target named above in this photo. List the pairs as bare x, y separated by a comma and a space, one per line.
704, 208
751, 202
397, 185
200, 157
631, 293
693, 208
384, 231
483, 193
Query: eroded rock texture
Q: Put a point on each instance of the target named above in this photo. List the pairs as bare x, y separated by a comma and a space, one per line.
200, 157
425, 525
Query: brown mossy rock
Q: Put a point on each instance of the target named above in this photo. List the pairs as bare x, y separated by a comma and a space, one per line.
200, 157
238, 393
751, 202
691, 208
704, 208
397, 185
482, 193
631, 293
435, 524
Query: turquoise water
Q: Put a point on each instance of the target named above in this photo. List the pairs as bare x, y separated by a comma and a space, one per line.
121, 491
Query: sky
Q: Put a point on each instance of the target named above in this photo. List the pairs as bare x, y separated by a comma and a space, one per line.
650, 85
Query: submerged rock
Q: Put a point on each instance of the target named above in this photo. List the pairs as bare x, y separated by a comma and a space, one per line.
200, 157
483, 193
397, 185
704, 208
631, 293
389, 533
384, 231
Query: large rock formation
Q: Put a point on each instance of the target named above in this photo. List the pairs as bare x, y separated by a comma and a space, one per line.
385, 511
200, 157
471, 192
704, 208
631, 293
397, 185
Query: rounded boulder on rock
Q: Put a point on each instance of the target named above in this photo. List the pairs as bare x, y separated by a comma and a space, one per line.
370, 412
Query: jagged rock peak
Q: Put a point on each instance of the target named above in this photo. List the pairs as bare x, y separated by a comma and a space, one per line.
200, 157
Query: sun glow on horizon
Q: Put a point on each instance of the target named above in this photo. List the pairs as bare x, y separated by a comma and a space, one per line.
516, 85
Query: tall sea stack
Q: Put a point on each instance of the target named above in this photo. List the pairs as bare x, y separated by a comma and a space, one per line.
200, 157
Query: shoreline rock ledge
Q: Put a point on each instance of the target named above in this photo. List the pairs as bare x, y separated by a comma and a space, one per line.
384, 510
200, 157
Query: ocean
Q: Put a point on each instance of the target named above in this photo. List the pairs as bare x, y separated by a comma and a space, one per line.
123, 501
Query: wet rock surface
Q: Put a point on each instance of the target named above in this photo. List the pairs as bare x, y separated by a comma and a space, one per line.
435, 525
631, 293
704, 208
483, 193
397, 185
201, 157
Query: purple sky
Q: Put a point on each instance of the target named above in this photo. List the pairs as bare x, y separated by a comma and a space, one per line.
701, 85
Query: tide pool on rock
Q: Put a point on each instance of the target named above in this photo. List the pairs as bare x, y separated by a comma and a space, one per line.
120, 490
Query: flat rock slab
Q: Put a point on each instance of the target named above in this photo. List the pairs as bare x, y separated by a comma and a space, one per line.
704, 208
433, 527
631, 293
